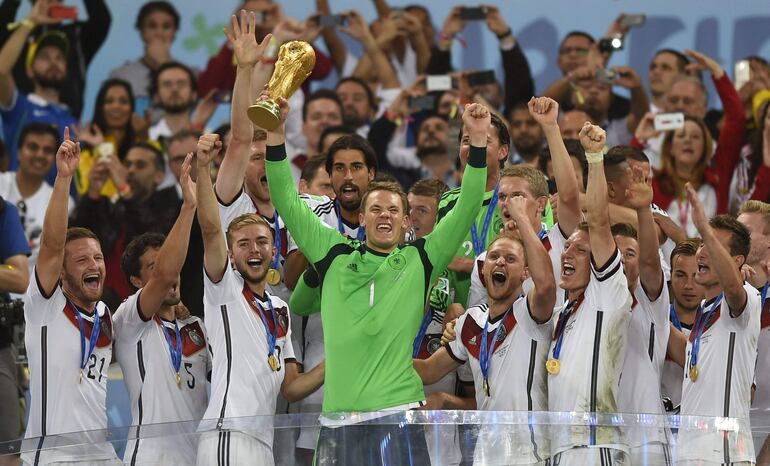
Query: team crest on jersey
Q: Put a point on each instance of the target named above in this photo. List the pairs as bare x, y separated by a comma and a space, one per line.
433, 345
283, 321
472, 341
397, 261
195, 337
498, 226
502, 334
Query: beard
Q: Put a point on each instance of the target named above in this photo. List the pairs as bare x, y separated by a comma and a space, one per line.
353, 119
176, 108
252, 276
48, 82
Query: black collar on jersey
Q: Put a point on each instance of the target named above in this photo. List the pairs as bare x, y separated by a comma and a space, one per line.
495, 319
377, 253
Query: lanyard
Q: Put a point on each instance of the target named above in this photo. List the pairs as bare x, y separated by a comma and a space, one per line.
684, 214
175, 351
763, 296
479, 244
701, 320
341, 227
421, 334
277, 229
675, 318
270, 336
486, 355
561, 325
95, 330
543, 232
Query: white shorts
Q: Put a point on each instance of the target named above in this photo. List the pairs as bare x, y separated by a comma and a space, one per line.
654, 453
591, 456
232, 448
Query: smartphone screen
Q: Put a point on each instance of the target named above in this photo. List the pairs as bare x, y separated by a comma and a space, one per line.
473, 14
480, 78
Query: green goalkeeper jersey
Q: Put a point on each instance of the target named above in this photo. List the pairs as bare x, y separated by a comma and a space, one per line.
372, 303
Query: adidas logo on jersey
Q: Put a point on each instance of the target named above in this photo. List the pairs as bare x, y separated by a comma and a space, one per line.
353, 267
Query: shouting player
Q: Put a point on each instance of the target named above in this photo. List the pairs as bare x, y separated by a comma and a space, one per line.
68, 334
164, 359
249, 331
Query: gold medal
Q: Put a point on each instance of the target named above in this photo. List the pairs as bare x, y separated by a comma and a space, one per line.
552, 366
272, 361
486, 387
694, 373
273, 277
178, 380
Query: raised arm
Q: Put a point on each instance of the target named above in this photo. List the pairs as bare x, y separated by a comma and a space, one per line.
542, 297
247, 53
50, 258
171, 257
214, 246
453, 228
359, 30
598, 215
546, 112
417, 40
639, 196
313, 238
337, 50
722, 262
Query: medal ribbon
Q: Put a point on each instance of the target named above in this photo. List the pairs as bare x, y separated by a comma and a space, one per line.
675, 318
421, 333
94, 335
277, 229
479, 244
561, 325
763, 296
270, 336
174, 351
543, 232
486, 355
341, 227
701, 321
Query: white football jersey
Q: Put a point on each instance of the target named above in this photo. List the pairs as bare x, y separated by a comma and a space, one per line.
324, 208
726, 360
554, 243
244, 205
762, 394
671, 379
591, 358
646, 345
143, 353
242, 383
517, 377
62, 401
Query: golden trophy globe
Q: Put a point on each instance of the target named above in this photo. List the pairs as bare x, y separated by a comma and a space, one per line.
296, 60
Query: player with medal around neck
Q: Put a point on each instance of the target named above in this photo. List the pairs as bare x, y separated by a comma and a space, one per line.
70, 271
250, 250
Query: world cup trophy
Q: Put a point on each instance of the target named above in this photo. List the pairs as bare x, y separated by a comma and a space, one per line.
296, 60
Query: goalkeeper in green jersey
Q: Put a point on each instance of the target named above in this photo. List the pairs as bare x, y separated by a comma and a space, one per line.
373, 294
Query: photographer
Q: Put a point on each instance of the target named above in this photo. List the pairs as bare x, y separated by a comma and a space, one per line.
14, 278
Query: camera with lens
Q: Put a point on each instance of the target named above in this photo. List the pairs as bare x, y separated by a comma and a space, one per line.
11, 311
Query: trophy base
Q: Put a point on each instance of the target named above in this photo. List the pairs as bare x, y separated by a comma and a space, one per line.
265, 114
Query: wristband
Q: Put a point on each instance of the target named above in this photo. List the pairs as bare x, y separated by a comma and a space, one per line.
26, 22
8, 267
596, 157
506, 33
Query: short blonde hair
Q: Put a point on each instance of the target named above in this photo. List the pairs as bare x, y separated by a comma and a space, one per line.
757, 207
536, 179
242, 221
390, 186
513, 236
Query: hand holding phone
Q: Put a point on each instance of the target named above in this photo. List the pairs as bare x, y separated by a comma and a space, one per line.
62, 12
332, 21
669, 121
473, 13
632, 21
441, 82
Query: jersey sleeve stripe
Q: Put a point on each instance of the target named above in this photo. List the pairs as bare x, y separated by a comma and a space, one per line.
229, 350
44, 383
337, 250
608, 269
452, 355
140, 361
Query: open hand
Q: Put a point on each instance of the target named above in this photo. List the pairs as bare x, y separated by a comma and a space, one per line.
646, 128
704, 62
639, 191
696, 211
39, 13
244, 41
189, 197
